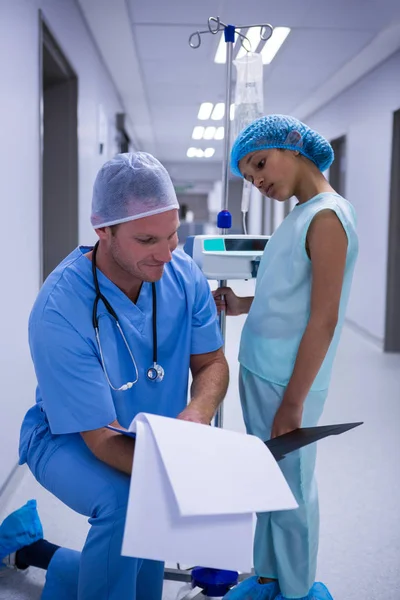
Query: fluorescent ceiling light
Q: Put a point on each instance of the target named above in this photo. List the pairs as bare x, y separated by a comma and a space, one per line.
218, 112
198, 132
220, 55
219, 134
209, 133
205, 111
272, 46
254, 39
199, 153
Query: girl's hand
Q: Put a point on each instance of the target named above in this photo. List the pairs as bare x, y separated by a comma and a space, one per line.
288, 418
226, 300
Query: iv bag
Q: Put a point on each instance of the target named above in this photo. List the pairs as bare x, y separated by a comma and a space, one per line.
249, 93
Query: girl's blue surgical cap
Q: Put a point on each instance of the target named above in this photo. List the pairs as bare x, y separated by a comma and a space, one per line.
280, 131
131, 186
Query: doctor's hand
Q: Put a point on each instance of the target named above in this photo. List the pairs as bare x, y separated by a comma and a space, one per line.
288, 418
195, 415
226, 300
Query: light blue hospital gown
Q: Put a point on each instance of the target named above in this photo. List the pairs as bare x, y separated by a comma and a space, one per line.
73, 396
286, 543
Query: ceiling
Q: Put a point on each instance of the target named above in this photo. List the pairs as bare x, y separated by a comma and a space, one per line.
162, 81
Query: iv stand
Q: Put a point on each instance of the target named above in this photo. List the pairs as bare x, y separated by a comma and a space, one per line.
224, 221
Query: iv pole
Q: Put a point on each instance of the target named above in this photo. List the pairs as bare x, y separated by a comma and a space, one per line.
224, 220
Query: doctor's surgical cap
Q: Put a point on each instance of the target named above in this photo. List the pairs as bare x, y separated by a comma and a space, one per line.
280, 131
131, 186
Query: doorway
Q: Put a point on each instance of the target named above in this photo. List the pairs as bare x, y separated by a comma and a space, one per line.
337, 171
392, 328
59, 153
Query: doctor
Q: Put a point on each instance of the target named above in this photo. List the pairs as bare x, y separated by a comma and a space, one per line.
114, 332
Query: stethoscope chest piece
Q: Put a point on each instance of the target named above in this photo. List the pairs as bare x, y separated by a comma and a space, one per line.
155, 373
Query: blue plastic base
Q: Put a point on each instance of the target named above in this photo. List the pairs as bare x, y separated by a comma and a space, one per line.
214, 582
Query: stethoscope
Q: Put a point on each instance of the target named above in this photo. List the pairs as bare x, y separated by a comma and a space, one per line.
155, 372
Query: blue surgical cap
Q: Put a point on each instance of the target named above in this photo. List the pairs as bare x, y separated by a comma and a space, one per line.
131, 186
281, 131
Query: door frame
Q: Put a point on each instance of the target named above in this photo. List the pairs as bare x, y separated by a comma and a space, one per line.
336, 177
46, 37
392, 317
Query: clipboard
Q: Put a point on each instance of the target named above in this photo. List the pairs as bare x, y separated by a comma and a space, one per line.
289, 442
130, 434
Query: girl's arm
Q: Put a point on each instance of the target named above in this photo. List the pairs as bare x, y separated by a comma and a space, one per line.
327, 247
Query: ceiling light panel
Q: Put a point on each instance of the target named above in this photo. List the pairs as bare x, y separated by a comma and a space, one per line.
218, 112
198, 132
272, 45
209, 133
205, 110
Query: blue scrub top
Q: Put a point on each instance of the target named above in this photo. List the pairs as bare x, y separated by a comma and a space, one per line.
73, 391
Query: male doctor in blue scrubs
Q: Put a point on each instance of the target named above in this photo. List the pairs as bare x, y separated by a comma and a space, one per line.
85, 383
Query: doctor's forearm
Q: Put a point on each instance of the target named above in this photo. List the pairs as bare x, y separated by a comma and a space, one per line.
118, 452
112, 448
209, 387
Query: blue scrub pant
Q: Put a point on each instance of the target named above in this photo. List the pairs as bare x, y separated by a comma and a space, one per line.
286, 542
65, 467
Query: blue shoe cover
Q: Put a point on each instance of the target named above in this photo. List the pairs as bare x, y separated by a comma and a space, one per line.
21, 528
318, 592
250, 589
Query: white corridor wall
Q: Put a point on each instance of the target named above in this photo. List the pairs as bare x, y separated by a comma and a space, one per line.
20, 183
364, 113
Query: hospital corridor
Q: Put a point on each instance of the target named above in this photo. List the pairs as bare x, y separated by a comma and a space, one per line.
200, 308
